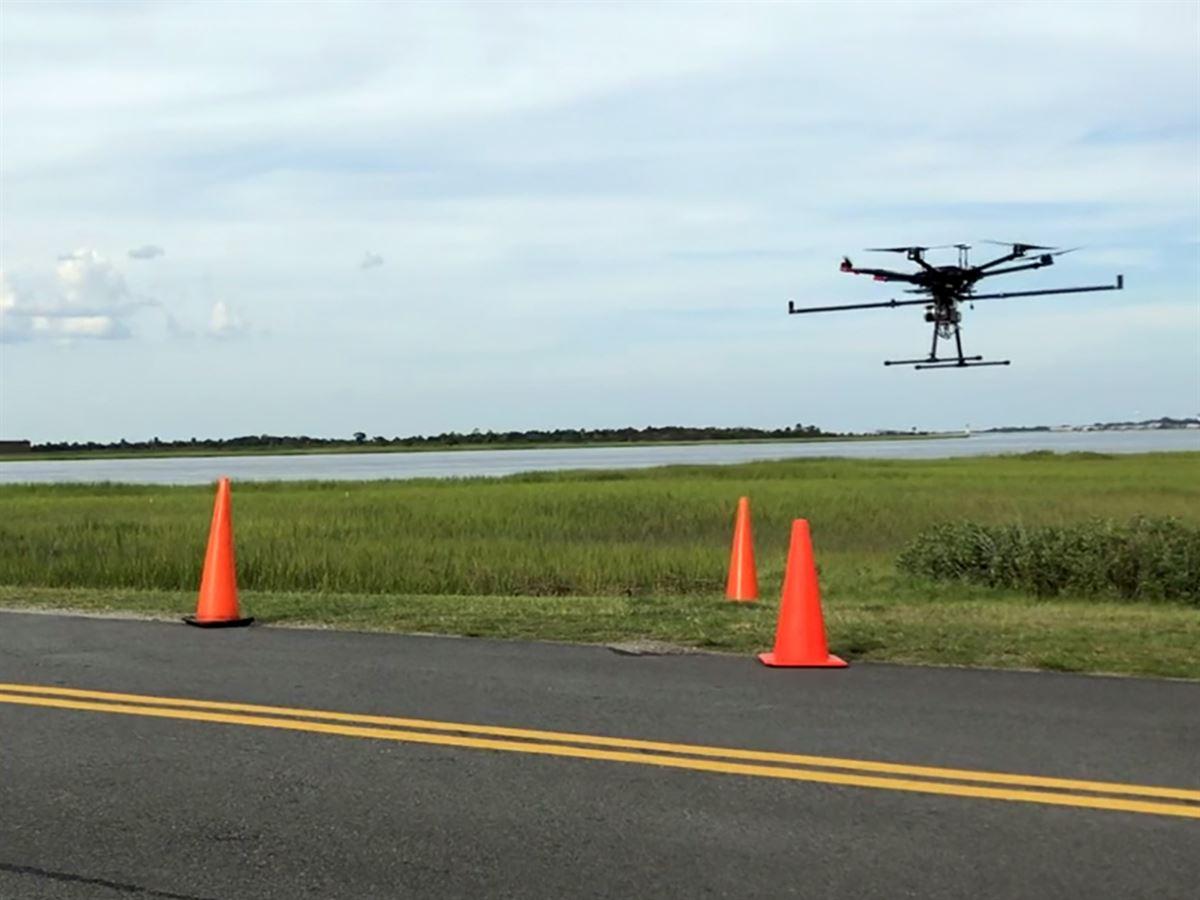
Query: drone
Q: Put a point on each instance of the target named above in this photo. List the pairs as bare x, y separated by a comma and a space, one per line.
945, 288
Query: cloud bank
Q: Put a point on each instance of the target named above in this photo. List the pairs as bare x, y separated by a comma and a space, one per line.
589, 228
89, 300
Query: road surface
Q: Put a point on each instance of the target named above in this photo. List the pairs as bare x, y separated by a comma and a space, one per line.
148, 759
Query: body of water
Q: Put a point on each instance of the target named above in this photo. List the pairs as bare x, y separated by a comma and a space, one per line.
463, 463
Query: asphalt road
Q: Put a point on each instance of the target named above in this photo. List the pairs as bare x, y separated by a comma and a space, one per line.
107, 799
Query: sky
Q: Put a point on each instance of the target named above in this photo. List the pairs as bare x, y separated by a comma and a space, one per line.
412, 218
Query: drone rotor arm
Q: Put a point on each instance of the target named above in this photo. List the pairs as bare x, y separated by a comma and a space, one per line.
1119, 286
998, 261
795, 310
1042, 261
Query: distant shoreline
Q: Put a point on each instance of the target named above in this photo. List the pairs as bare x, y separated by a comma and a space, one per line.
368, 447
534, 439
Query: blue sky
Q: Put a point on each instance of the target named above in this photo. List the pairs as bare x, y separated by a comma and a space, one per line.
221, 219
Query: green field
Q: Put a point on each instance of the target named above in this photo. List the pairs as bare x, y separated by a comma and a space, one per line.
609, 556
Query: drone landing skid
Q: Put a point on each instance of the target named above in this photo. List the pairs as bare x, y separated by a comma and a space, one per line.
952, 364
932, 362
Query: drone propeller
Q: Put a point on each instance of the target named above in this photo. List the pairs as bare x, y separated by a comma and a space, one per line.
1019, 247
916, 249
1061, 252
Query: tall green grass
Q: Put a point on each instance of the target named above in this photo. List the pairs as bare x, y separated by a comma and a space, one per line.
1142, 559
649, 532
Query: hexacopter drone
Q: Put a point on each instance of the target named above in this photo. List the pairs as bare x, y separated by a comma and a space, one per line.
945, 288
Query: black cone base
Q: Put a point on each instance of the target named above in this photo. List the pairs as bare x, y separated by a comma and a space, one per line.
217, 623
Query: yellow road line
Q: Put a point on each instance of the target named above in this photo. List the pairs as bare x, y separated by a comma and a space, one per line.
647, 759
827, 762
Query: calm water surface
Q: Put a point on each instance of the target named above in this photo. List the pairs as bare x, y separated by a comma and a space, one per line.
462, 463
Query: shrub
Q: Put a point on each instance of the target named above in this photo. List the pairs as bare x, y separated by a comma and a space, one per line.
1143, 559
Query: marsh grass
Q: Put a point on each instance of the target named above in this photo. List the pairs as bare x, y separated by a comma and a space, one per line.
1142, 559
662, 532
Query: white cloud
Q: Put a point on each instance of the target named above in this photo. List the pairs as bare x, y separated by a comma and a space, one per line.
8, 297
224, 322
88, 279
21, 321
99, 327
13, 327
88, 299
146, 251
371, 261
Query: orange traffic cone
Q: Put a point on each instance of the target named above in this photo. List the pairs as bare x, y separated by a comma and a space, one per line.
800, 635
217, 606
742, 583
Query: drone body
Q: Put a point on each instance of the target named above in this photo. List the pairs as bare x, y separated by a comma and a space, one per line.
945, 288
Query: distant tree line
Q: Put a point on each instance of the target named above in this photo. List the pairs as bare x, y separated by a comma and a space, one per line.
664, 433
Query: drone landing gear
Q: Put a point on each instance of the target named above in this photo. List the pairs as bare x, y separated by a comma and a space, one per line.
965, 362
946, 329
932, 362
926, 361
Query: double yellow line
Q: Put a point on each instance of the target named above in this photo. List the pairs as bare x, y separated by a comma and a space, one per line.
1165, 801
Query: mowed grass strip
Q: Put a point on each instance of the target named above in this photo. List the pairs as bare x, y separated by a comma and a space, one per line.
1007, 632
